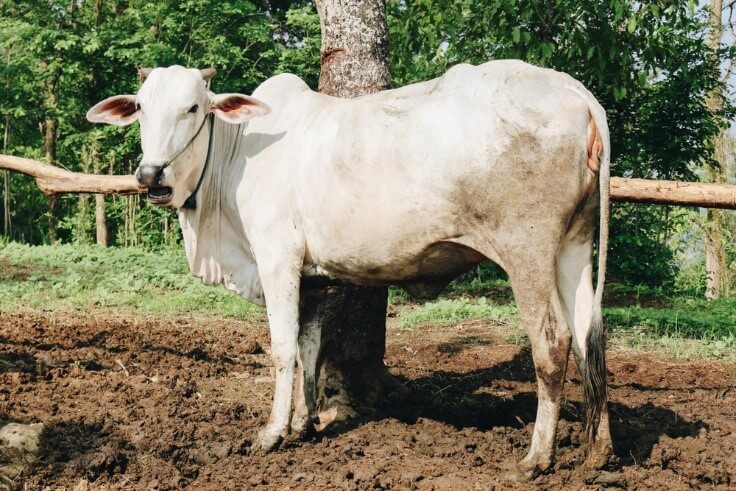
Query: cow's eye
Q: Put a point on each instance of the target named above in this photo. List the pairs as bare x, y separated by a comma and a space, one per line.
193, 109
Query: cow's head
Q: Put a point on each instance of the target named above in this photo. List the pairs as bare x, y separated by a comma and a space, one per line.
172, 106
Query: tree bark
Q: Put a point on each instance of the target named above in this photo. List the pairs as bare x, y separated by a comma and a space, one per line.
82, 223
715, 254
352, 375
100, 220
6, 204
716, 260
49, 146
354, 47
6, 184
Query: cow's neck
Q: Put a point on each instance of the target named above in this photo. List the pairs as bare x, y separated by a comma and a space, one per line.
216, 245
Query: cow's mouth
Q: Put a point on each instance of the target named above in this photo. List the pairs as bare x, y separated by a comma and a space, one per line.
159, 195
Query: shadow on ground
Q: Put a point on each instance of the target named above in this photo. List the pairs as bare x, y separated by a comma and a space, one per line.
463, 400
87, 446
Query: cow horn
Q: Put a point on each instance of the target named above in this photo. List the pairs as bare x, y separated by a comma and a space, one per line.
143, 73
207, 73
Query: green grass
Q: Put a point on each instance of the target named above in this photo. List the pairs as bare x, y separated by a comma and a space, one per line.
452, 310
690, 329
686, 318
159, 282
78, 277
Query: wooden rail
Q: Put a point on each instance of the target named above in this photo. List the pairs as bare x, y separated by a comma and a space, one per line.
54, 180
673, 193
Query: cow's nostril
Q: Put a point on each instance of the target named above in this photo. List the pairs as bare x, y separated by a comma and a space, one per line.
149, 175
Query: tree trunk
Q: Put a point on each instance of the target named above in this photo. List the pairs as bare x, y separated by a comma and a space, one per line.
98, 13
715, 254
6, 184
352, 375
100, 217
100, 220
354, 47
82, 222
716, 260
49, 147
6, 205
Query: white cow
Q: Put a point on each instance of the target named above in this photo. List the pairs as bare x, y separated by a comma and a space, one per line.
408, 186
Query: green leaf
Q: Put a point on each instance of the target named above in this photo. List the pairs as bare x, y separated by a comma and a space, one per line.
631, 25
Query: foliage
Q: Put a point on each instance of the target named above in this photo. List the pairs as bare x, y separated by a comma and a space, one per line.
638, 254
647, 62
301, 34
59, 58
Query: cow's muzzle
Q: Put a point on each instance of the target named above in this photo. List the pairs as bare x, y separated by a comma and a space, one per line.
149, 177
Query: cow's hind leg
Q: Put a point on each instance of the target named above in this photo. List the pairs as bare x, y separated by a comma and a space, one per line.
575, 284
532, 275
305, 402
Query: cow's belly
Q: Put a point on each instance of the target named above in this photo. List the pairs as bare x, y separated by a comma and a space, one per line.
438, 262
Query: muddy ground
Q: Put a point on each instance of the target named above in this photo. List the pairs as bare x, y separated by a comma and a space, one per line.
135, 402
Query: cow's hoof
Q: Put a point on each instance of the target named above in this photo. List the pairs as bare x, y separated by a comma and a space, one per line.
600, 455
266, 441
532, 466
299, 424
337, 416
302, 428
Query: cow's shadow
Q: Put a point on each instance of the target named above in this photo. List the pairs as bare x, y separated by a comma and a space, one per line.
455, 399
21, 362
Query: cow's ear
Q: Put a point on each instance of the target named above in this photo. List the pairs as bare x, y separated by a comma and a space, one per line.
120, 110
237, 108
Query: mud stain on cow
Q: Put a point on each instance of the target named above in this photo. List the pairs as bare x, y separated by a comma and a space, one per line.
493, 192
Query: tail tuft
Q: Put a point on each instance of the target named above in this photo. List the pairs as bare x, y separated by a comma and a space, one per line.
594, 374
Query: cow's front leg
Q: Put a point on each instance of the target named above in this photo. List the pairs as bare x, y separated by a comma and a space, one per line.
281, 289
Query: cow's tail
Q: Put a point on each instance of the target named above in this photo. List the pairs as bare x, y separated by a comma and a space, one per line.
594, 367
